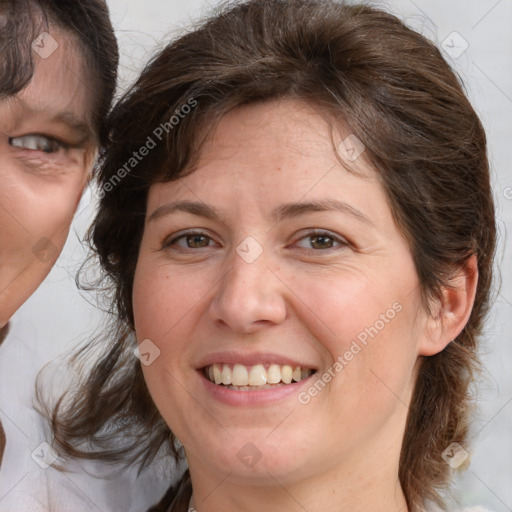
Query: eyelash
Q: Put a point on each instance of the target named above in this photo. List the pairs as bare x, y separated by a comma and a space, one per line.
56, 145
340, 241
168, 243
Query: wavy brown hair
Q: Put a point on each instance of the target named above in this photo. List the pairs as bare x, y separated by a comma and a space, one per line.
395, 91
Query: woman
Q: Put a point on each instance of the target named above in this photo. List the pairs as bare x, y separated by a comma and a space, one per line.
57, 79
298, 228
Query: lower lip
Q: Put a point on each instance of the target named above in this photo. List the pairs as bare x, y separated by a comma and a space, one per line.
256, 397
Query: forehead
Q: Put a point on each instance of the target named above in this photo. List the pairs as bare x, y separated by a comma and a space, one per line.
272, 136
275, 152
61, 86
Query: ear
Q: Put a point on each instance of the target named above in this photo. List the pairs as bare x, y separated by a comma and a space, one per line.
451, 312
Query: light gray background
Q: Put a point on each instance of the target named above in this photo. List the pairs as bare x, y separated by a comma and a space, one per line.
57, 317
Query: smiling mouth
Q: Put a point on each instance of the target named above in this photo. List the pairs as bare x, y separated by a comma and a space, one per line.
250, 378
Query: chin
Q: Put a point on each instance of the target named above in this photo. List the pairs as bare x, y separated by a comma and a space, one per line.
255, 459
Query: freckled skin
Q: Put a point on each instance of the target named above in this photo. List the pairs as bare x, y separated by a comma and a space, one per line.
298, 299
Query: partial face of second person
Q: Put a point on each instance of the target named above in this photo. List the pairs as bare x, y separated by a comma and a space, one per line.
272, 254
47, 148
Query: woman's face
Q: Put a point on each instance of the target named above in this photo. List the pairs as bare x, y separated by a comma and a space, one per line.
271, 262
46, 152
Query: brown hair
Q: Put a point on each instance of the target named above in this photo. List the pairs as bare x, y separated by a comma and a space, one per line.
395, 91
22, 21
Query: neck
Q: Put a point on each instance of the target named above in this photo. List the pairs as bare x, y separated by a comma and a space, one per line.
356, 486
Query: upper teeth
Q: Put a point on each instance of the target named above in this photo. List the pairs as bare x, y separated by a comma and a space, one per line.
257, 375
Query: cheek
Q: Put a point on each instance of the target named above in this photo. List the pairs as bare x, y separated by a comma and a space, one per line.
164, 317
57, 212
154, 304
340, 308
368, 328
377, 363
33, 228
40, 208
166, 301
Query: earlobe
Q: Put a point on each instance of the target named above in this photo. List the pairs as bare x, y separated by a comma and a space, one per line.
451, 312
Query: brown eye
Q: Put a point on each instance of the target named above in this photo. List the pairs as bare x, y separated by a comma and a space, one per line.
197, 241
190, 241
318, 241
321, 242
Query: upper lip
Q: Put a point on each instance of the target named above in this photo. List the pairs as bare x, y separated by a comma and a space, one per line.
251, 360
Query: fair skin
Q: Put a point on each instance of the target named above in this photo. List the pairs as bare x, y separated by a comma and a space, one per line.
325, 274
47, 148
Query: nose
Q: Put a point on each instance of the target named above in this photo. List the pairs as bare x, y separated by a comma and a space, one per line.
249, 298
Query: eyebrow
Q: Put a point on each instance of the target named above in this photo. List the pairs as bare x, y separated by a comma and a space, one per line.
193, 207
291, 210
285, 211
78, 125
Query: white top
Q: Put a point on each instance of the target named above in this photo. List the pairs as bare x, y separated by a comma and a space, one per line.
25, 486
